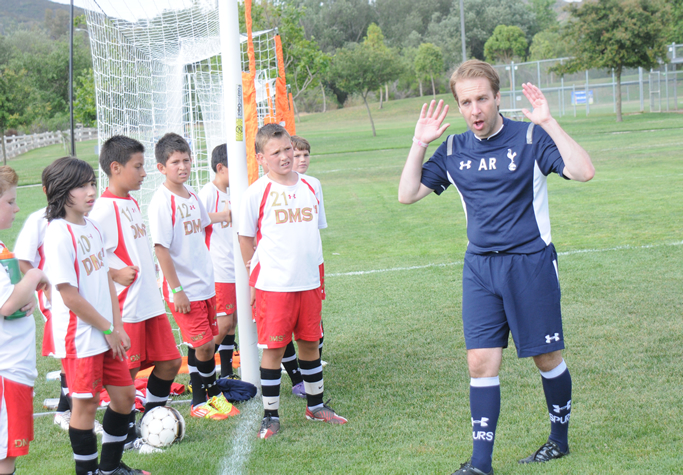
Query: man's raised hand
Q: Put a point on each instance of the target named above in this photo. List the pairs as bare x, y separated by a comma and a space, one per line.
541, 112
428, 127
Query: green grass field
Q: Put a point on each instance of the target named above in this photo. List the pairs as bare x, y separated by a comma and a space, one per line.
394, 341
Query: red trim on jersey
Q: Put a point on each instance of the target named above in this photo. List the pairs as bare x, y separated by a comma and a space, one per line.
264, 198
109, 194
172, 209
312, 190
253, 277
209, 228
122, 253
70, 341
41, 293
207, 238
136, 202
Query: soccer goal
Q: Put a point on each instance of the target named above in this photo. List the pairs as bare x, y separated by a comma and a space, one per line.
158, 69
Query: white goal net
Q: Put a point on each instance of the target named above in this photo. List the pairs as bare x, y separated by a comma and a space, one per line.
157, 68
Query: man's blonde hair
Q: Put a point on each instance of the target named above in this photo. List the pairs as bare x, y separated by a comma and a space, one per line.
8, 179
472, 69
267, 133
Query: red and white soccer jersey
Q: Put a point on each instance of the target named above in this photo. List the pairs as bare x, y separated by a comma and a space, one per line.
17, 340
219, 238
29, 247
178, 224
126, 243
75, 255
285, 221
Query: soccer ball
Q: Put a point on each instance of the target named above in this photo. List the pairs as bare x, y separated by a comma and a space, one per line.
162, 426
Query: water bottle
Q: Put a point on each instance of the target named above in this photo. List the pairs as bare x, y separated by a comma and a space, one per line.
11, 264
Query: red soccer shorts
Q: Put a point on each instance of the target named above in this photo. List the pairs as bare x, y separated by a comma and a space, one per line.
226, 300
16, 418
279, 314
86, 376
150, 341
199, 326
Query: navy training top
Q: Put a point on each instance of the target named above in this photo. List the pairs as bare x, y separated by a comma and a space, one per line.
502, 185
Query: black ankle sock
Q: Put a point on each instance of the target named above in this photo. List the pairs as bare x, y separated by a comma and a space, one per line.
84, 446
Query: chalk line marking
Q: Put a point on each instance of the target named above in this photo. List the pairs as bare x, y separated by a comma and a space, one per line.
235, 462
459, 263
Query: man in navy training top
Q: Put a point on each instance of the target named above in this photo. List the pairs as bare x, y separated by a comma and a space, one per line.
510, 281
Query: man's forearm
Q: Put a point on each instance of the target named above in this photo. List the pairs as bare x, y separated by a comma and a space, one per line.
577, 162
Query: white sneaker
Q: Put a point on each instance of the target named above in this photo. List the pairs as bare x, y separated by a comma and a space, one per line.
144, 448
323, 363
62, 419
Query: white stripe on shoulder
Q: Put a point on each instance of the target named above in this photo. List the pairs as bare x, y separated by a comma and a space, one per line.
449, 145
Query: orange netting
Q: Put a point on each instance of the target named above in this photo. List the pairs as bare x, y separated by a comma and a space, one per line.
283, 107
249, 98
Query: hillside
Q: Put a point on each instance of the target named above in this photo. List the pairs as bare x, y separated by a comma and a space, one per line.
17, 13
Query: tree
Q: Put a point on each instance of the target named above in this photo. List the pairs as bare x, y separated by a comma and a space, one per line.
428, 62
545, 13
85, 107
360, 68
616, 34
506, 43
547, 45
675, 33
14, 101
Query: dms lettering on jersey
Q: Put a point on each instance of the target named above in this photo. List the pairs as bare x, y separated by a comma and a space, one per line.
296, 215
491, 164
465, 164
549, 339
19, 443
138, 230
93, 263
193, 226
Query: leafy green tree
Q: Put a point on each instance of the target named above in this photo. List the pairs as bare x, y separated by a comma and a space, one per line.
675, 30
428, 62
85, 106
547, 44
360, 68
545, 13
506, 43
444, 32
15, 96
616, 34
398, 18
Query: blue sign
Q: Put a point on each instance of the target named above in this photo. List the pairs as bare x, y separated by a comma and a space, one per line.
579, 97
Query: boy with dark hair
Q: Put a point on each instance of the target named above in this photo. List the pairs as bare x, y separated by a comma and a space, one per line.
283, 212
178, 220
87, 326
215, 196
17, 341
134, 274
29, 251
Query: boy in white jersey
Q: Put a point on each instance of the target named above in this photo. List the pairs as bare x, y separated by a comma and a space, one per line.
134, 274
17, 342
28, 249
302, 158
282, 211
215, 196
177, 220
86, 318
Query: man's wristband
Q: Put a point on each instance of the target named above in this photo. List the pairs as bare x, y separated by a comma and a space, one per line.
420, 142
177, 289
111, 329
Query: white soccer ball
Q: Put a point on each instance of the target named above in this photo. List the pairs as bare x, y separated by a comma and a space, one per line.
162, 426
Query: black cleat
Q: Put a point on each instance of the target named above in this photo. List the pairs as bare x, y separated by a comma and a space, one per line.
124, 469
468, 469
548, 451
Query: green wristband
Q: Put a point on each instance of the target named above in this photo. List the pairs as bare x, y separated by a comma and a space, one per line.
177, 289
111, 329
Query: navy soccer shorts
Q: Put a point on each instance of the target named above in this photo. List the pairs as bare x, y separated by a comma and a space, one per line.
518, 293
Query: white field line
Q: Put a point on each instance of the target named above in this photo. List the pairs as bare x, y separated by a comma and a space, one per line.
235, 461
456, 263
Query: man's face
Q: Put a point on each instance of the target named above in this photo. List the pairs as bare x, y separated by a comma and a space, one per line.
479, 106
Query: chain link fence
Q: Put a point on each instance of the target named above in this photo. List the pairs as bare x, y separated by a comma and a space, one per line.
657, 90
